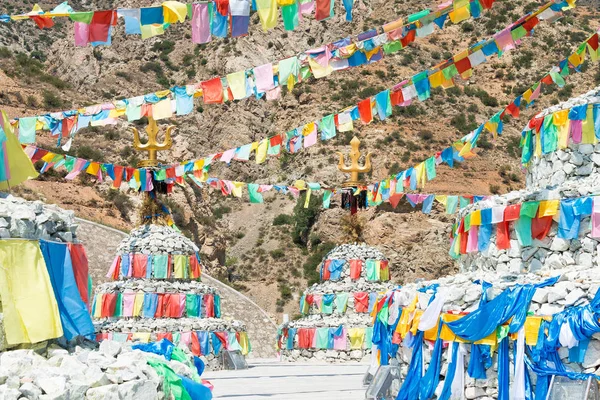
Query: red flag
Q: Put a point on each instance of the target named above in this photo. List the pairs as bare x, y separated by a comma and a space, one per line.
365, 111
323, 10
212, 91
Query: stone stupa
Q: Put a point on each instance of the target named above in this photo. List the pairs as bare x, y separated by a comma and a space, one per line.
157, 291
337, 324
534, 246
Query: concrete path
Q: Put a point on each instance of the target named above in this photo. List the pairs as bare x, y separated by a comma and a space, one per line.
271, 380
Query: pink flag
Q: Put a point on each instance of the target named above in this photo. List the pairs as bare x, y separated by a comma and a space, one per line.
82, 33
200, 23
263, 76
79, 164
128, 300
596, 218
339, 342
472, 239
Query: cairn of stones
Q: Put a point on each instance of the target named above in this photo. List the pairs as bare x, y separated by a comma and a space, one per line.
184, 326
567, 173
317, 316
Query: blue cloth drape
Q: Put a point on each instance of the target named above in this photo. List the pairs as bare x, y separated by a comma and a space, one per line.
197, 391
74, 316
203, 339
163, 348
512, 303
410, 386
431, 379
503, 370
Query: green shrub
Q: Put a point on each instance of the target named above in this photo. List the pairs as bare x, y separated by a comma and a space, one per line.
121, 202
5, 52
90, 153
283, 219
425, 135
51, 99
277, 254
218, 212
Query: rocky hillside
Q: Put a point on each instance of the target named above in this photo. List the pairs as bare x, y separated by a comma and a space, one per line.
271, 250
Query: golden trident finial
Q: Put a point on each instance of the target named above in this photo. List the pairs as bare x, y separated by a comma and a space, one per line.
354, 169
152, 146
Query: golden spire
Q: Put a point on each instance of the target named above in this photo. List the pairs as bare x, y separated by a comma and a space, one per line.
152, 146
354, 169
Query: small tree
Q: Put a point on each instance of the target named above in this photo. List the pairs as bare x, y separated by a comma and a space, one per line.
305, 218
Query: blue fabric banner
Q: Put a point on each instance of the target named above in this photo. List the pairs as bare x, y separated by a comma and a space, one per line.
74, 316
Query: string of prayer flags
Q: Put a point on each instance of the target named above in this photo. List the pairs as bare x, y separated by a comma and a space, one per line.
332, 338
374, 270
220, 19
462, 149
553, 136
156, 305
200, 343
545, 134
400, 95
390, 190
530, 220
338, 303
157, 266
261, 81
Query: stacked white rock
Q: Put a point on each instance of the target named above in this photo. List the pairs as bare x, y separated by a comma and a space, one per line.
35, 220
566, 173
348, 319
115, 371
162, 240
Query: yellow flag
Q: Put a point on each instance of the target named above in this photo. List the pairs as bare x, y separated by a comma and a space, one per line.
30, 309
261, 152
267, 12
236, 191
15, 166
174, 11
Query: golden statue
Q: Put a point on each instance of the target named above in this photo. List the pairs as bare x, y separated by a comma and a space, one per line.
152, 145
354, 169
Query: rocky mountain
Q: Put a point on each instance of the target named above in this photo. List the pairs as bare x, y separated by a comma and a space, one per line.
271, 250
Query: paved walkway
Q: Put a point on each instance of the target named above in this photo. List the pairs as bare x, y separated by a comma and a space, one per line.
271, 380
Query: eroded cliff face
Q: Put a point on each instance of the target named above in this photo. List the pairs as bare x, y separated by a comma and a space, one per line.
239, 240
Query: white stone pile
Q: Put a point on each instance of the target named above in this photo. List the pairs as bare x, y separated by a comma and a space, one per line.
578, 163
563, 174
169, 325
20, 218
156, 286
350, 318
156, 239
577, 286
113, 372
